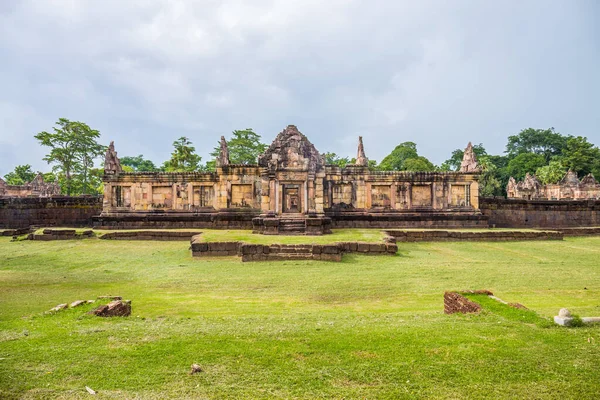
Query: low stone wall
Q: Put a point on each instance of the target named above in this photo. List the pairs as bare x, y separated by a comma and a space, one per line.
281, 252
423, 219
214, 249
520, 213
23, 212
580, 231
458, 236
264, 252
150, 235
14, 232
60, 234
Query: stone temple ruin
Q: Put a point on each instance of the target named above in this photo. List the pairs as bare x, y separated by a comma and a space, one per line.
36, 188
569, 188
290, 190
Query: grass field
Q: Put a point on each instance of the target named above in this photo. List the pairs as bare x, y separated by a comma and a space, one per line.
368, 327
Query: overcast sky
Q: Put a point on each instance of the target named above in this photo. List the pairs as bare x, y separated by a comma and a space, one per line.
439, 73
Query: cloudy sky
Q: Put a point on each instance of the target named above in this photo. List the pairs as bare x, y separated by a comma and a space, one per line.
439, 73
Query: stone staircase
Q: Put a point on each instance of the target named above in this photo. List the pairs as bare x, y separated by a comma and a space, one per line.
294, 225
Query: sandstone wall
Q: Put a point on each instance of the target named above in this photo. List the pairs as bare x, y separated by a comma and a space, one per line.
48, 211
521, 213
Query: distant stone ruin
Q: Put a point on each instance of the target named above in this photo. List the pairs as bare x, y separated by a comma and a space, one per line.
36, 188
569, 188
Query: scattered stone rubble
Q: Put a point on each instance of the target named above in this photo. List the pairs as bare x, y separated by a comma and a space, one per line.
116, 308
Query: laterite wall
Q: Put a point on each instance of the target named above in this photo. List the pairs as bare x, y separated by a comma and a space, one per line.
22, 212
520, 213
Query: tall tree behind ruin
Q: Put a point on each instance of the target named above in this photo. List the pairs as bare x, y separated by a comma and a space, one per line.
73, 148
138, 163
183, 158
244, 148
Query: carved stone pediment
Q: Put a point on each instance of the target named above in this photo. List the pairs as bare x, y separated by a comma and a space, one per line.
570, 178
291, 150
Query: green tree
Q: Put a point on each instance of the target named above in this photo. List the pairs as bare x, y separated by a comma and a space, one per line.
581, 156
334, 159
244, 147
453, 163
73, 149
20, 176
139, 164
417, 164
545, 142
490, 183
183, 158
523, 163
551, 173
396, 159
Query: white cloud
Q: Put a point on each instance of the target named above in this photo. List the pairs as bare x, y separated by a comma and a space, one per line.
145, 72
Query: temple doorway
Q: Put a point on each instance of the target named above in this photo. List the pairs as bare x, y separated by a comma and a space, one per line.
292, 199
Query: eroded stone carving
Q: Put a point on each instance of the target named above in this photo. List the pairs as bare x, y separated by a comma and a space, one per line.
223, 158
469, 162
112, 164
361, 158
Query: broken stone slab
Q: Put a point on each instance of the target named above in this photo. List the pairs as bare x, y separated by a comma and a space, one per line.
77, 303
110, 297
59, 307
590, 320
564, 317
117, 308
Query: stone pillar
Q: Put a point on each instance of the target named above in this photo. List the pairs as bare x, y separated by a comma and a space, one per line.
475, 195
319, 193
277, 190
107, 199
305, 190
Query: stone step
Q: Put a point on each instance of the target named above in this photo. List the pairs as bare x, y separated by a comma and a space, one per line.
283, 257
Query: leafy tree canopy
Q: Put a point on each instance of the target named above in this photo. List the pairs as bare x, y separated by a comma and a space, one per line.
183, 158
551, 173
244, 147
73, 148
334, 159
523, 163
545, 142
20, 176
490, 183
396, 159
418, 163
581, 156
138, 163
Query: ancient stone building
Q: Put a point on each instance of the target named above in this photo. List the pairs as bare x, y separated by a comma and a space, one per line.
569, 188
290, 189
36, 188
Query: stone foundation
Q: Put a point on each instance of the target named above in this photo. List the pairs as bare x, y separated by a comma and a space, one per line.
260, 252
176, 220
150, 235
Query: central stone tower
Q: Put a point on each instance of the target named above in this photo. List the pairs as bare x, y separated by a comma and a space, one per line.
292, 174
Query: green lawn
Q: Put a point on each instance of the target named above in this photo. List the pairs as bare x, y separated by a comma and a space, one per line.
337, 235
368, 327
